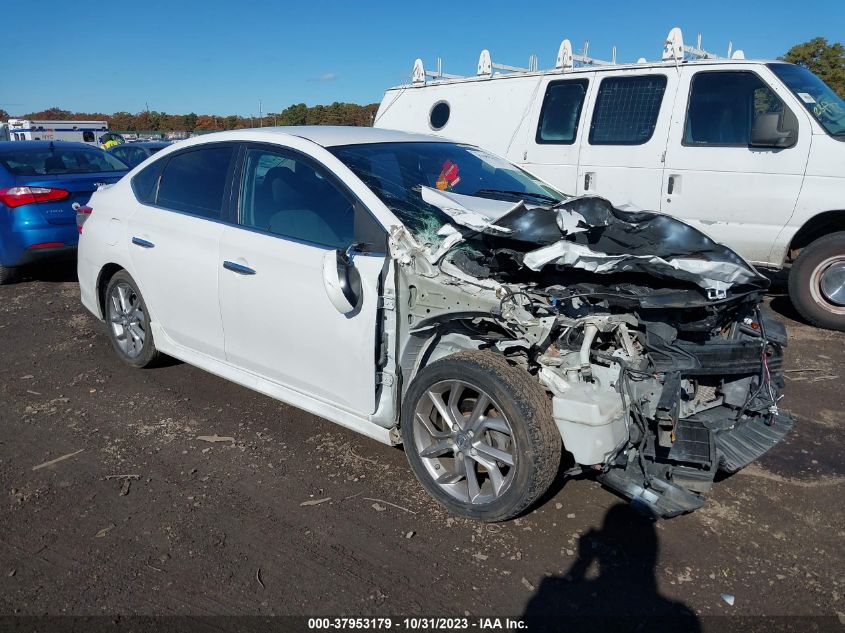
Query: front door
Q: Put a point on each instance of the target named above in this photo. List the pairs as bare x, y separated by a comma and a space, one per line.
740, 195
278, 319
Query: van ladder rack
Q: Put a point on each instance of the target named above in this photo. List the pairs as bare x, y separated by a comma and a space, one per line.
674, 49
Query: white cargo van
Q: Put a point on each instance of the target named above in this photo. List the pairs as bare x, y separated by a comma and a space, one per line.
750, 152
79, 131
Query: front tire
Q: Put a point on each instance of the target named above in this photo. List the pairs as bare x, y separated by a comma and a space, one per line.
128, 323
479, 435
817, 282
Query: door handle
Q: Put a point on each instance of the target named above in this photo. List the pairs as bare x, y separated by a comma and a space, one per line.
587, 180
137, 241
238, 268
671, 186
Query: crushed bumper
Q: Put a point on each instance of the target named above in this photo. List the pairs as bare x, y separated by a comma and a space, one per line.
667, 484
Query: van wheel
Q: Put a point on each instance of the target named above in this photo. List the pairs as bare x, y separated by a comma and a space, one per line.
479, 435
128, 322
817, 282
7, 274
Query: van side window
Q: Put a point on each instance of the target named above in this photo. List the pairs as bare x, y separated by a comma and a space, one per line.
88, 136
561, 112
626, 110
194, 182
723, 106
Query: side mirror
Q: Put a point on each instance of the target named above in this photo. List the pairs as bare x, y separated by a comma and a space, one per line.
342, 280
775, 130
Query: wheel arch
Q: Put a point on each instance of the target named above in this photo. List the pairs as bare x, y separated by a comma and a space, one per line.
817, 226
103, 278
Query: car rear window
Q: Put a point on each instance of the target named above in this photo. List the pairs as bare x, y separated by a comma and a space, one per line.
46, 161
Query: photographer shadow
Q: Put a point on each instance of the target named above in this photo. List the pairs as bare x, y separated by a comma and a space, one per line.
622, 595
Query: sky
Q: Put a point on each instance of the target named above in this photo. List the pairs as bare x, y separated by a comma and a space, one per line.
223, 56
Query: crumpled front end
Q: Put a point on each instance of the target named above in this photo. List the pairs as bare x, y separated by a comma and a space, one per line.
648, 336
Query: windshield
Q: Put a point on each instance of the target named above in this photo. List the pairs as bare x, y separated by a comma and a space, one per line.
397, 171
44, 161
826, 106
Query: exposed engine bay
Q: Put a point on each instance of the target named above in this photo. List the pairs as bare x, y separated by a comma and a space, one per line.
661, 367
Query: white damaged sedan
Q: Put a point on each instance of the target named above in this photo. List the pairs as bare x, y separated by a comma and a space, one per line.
432, 294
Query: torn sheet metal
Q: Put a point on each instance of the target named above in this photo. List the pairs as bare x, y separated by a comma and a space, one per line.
633, 241
472, 212
707, 274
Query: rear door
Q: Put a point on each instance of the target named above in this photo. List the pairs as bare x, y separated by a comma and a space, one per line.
278, 319
740, 195
174, 234
553, 149
622, 151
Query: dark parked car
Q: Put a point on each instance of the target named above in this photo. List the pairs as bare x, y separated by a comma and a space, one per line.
41, 184
136, 153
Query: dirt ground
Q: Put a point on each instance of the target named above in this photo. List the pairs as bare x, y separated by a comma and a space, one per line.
294, 515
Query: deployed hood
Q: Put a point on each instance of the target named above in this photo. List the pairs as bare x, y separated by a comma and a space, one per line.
591, 234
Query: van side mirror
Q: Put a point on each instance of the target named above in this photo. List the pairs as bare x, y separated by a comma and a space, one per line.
775, 130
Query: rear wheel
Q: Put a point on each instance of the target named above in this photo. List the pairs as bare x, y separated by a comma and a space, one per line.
128, 322
479, 435
7, 274
817, 282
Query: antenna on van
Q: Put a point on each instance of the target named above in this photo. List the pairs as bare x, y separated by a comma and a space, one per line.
420, 74
486, 65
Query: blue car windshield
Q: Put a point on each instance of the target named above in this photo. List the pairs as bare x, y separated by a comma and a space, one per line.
396, 172
826, 106
46, 161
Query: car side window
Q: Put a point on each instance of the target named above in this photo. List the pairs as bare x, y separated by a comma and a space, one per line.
145, 182
122, 154
626, 110
288, 196
561, 112
194, 181
723, 106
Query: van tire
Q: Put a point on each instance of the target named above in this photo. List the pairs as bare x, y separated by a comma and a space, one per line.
519, 402
805, 282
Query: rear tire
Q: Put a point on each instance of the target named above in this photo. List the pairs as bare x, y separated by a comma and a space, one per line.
7, 274
814, 282
479, 435
128, 323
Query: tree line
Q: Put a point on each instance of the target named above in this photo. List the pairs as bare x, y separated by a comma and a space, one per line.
150, 120
818, 55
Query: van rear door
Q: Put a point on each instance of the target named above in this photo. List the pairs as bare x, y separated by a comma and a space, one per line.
557, 127
622, 150
739, 194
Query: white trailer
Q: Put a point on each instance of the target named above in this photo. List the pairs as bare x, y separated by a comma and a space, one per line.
79, 131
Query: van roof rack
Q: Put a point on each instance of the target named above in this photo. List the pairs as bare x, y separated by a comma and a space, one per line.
674, 49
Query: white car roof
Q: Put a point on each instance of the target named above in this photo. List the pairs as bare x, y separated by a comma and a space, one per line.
326, 135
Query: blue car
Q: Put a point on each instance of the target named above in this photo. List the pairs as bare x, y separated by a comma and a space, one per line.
41, 184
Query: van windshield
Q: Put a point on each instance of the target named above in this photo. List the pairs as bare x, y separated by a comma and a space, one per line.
824, 104
396, 172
